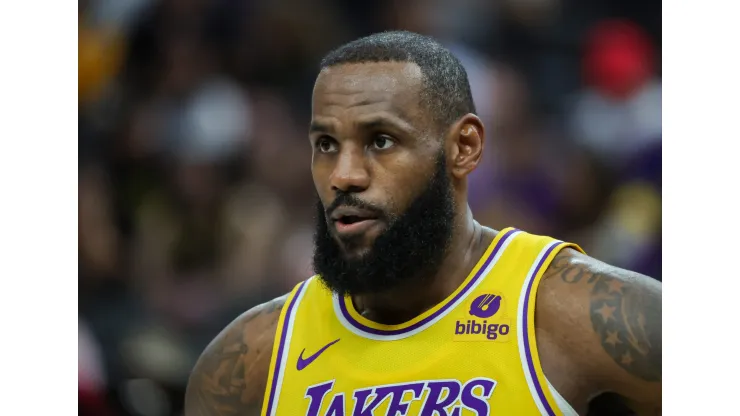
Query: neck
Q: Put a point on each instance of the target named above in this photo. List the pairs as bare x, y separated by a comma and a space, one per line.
469, 242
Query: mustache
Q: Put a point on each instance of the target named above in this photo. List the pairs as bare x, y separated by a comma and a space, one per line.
350, 200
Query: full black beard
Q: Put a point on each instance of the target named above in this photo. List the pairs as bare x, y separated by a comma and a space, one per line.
410, 250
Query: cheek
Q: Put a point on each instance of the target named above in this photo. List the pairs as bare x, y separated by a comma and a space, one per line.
320, 176
322, 183
399, 188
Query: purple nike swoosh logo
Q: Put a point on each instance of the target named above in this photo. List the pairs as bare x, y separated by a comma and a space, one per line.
303, 363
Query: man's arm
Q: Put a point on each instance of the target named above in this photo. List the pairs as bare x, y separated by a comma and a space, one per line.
606, 323
231, 375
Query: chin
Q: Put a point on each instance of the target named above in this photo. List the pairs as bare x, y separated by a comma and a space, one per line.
355, 250
355, 253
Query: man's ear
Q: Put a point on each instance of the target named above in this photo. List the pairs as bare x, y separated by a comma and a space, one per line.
466, 139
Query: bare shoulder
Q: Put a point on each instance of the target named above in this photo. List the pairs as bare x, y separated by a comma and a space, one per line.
231, 374
607, 323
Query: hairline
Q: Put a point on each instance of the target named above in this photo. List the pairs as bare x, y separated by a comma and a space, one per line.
425, 107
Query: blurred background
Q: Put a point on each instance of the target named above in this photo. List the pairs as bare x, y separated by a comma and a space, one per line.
195, 193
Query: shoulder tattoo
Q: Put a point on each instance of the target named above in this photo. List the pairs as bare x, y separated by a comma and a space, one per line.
226, 380
625, 316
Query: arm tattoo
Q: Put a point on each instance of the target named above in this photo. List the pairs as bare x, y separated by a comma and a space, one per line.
626, 317
223, 382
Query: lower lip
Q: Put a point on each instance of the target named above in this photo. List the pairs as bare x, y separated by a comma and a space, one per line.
354, 228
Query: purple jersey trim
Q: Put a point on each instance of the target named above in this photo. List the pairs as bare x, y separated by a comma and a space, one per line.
525, 321
462, 293
281, 347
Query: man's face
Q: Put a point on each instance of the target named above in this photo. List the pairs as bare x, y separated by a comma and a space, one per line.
386, 205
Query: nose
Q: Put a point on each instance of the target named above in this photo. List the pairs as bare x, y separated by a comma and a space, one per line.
350, 173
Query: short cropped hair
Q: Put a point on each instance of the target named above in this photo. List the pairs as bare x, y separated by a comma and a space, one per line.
445, 87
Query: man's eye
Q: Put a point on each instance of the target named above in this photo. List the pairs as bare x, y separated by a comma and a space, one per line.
383, 142
325, 145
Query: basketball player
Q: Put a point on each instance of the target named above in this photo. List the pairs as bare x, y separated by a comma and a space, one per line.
415, 308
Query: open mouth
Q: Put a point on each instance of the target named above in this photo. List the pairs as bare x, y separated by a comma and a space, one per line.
353, 224
349, 220
352, 219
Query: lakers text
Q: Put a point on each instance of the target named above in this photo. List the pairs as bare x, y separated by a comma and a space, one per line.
423, 398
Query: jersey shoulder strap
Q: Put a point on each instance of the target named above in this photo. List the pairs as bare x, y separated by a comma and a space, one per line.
279, 346
532, 255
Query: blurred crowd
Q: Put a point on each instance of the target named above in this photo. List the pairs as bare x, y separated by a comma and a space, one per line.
195, 194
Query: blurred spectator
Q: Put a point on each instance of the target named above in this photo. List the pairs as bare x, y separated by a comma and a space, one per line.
99, 56
98, 238
629, 230
619, 113
91, 380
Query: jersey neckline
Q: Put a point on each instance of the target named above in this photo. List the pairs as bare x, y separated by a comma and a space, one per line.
358, 324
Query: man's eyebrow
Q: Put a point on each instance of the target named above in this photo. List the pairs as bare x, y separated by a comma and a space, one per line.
375, 123
385, 121
320, 127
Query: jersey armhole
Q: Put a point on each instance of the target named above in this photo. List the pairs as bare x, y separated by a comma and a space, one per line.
547, 399
280, 349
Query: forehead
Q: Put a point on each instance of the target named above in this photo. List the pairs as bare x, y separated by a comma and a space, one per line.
349, 90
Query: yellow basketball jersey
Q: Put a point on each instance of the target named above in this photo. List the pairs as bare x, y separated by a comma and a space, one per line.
472, 354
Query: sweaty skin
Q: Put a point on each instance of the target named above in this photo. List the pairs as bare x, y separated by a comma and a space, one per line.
598, 327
